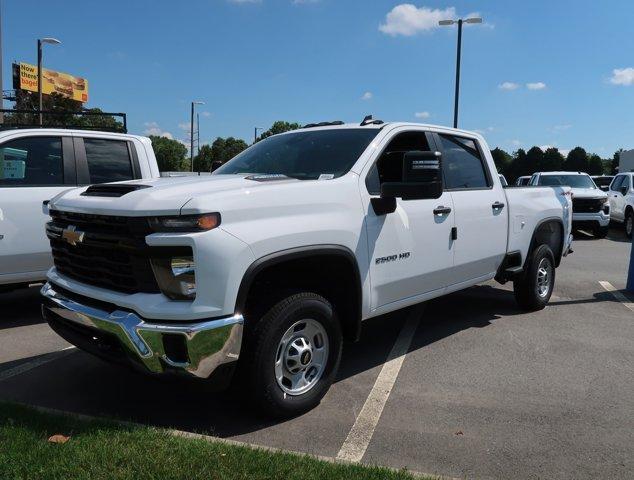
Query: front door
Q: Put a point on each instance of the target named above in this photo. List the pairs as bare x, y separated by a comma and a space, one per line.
410, 250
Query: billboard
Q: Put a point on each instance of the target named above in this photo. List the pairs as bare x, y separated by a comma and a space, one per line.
69, 86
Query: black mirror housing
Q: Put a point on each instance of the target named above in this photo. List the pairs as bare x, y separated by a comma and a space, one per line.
422, 177
624, 190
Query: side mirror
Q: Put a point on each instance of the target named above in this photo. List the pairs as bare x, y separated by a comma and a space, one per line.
605, 188
422, 177
624, 190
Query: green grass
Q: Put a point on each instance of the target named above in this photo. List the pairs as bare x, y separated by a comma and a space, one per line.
108, 450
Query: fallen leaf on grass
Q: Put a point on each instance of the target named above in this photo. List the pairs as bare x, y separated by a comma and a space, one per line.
459, 432
58, 439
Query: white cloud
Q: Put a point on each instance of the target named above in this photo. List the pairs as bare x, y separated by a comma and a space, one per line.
508, 86
516, 143
422, 115
206, 113
406, 19
367, 96
543, 148
185, 126
536, 86
622, 76
153, 128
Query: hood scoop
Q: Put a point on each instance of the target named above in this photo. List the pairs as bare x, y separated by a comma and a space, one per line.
111, 190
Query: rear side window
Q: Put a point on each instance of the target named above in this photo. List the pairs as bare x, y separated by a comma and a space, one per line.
626, 182
108, 160
462, 163
32, 161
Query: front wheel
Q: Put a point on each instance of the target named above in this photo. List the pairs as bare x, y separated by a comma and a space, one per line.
535, 286
293, 355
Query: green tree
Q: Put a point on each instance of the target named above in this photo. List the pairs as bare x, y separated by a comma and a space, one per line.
534, 160
224, 149
595, 165
553, 160
615, 162
279, 127
577, 160
502, 160
519, 165
202, 161
170, 154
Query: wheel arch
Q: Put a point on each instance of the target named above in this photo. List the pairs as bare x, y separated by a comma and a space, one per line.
314, 262
548, 231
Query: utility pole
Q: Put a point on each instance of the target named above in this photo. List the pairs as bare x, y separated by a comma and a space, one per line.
459, 22
191, 130
1, 83
255, 134
40, 42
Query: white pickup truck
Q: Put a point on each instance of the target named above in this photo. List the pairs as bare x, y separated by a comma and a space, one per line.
281, 254
38, 164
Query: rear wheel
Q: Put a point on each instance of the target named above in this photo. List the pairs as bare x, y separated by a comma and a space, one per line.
534, 288
293, 355
629, 219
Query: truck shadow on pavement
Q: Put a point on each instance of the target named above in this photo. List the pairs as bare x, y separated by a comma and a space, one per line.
83, 384
20, 308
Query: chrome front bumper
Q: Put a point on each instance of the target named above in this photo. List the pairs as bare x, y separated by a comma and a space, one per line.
194, 349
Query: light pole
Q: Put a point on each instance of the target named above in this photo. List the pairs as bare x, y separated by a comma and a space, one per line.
40, 42
191, 145
460, 21
255, 135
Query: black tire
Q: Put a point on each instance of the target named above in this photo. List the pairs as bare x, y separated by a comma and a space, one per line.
628, 223
526, 287
263, 347
600, 232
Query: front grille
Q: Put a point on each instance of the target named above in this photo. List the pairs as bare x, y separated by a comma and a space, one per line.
587, 205
111, 254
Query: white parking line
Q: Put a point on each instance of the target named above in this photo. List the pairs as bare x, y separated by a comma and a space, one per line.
25, 367
361, 432
618, 295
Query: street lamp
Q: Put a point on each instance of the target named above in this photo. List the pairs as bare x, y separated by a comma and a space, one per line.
191, 151
40, 41
460, 21
255, 135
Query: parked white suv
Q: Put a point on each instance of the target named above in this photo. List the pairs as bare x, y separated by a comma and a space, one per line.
282, 253
38, 164
590, 205
621, 198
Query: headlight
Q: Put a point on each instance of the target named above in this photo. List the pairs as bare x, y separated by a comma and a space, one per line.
185, 223
176, 277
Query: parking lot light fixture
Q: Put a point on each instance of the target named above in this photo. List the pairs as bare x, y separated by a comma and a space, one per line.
459, 22
40, 42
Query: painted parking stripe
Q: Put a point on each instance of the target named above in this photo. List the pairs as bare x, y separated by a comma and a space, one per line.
618, 295
361, 432
27, 366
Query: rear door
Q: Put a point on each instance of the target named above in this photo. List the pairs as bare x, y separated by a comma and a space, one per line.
480, 210
33, 169
410, 250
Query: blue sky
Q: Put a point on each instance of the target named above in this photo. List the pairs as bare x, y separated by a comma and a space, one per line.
535, 73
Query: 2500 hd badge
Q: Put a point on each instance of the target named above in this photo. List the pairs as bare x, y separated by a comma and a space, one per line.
392, 258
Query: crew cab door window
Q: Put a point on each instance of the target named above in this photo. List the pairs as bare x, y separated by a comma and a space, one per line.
32, 161
617, 183
462, 163
108, 160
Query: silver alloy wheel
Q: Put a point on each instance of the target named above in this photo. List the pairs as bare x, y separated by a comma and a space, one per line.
301, 357
544, 277
628, 225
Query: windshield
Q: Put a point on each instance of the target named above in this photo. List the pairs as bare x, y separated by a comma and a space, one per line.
306, 155
574, 181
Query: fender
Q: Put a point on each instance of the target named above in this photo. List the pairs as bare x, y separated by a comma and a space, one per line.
558, 255
305, 252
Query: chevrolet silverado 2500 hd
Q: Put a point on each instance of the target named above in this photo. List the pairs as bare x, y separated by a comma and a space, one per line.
276, 258
38, 164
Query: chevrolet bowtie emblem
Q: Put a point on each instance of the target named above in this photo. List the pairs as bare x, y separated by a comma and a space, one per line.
72, 236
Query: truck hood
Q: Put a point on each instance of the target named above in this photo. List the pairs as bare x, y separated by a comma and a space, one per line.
159, 196
588, 193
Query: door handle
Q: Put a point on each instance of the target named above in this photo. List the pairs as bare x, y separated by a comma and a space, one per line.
497, 206
441, 210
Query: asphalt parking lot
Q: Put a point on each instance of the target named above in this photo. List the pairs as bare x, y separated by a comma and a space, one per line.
484, 391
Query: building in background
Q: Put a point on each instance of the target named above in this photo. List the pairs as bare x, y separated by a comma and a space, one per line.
626, 161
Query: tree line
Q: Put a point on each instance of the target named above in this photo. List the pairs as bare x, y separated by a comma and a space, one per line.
522, 163
172, 155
